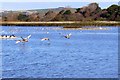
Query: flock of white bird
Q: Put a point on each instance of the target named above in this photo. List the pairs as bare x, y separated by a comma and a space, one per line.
23, 40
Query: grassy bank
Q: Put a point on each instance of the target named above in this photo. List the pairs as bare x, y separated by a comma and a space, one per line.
66, 24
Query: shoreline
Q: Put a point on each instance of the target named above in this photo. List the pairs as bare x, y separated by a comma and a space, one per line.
65, 24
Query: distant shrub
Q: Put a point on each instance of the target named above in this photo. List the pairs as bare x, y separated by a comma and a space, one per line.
5, 18
23, 17
113, 13
78, 9
67, 12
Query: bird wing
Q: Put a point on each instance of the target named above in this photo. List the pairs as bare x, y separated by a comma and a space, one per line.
42, 39
69, 34
18, 41
28, 36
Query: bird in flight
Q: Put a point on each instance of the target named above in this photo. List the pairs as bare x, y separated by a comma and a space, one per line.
68, 36
23, 39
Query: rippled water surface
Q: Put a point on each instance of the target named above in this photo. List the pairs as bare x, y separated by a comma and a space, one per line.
87, 54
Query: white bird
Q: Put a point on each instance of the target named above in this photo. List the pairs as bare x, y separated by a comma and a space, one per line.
18, 41
23, 39
68, 36
45, 39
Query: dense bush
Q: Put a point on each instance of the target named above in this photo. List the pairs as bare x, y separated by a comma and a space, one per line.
67, 12
87, 13
23, 17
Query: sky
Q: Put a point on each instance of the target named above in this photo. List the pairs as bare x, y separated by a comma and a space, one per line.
45, 5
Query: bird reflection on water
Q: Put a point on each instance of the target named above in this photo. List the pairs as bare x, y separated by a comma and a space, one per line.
23, 48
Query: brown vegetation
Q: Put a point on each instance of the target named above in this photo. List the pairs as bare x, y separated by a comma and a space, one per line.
91, 12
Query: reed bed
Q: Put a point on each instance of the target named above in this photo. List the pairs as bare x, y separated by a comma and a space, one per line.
65, 24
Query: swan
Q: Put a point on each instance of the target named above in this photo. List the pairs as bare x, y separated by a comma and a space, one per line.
23, 39
7, 37
45, 39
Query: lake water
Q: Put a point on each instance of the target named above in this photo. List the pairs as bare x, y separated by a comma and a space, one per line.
87, 54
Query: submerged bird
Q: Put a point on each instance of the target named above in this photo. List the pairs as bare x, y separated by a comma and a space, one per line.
23, 39
68, 36
45, 39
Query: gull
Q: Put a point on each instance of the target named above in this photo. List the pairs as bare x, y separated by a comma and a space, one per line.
23, 39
